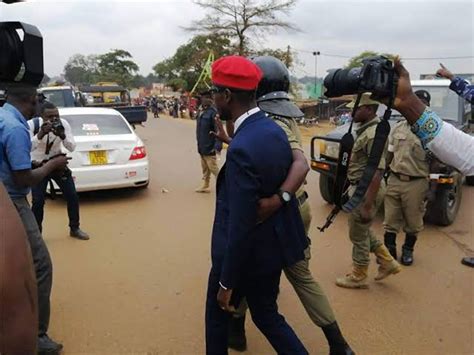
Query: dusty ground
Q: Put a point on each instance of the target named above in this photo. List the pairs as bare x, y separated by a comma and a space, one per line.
138, 286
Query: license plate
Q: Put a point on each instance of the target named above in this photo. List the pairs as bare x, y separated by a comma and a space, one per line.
98, 157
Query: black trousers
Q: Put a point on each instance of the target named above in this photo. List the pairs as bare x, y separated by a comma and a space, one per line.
261, 293
69, 191
42, 262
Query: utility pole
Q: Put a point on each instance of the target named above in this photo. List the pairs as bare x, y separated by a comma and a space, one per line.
316, 53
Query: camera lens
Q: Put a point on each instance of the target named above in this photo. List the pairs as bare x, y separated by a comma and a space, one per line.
12, 55
342, 82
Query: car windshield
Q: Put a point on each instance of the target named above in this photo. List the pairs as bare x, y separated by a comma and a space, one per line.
444, 101
56, 97
97, 125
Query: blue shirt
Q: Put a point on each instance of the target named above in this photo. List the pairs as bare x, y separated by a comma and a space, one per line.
463, 89
15, 148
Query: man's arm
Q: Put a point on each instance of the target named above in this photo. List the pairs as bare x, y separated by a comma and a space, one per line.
19, 159
68, 141
294, 180
242, 189
458, 85
18, 299
370, 196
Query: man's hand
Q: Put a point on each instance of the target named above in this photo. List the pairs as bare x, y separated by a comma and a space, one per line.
267, 207
60, 132
223, 298
444, 72
58, 163
406, 102
220, 132
46, 127
365, 213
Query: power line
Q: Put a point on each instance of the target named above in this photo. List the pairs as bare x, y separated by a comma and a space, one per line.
403, 58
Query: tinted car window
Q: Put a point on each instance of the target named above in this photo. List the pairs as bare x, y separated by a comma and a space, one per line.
97, 125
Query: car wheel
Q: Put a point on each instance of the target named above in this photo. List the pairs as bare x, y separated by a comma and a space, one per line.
326, 185
470, 180
444, 209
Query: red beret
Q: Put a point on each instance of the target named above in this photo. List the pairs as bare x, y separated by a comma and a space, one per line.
236, 72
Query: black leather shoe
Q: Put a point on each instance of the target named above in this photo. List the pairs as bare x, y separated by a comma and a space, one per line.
236, 335
47, 346
407, 257
468, 261
337, 343
79, 234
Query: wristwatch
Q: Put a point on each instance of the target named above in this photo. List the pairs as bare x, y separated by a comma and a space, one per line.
284, 196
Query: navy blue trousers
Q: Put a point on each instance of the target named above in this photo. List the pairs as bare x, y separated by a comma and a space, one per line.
261, 293
68, 188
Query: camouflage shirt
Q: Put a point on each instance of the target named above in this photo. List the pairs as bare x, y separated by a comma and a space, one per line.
361, 151
290, 127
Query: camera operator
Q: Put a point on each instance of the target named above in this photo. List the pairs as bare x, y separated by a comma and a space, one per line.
49, 134
17, 176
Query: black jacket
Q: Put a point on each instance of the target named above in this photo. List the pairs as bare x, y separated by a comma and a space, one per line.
205, 124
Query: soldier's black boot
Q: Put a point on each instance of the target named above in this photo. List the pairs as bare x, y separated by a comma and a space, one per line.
337, 343
407, 249
236, 334
390, 241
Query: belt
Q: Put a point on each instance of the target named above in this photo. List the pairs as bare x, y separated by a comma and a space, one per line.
403, 177
302, 198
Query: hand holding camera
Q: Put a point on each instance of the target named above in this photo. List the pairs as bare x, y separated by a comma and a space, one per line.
58, 129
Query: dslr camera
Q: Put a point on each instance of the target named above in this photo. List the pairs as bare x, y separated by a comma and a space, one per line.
376, 75
57, 126
21, 59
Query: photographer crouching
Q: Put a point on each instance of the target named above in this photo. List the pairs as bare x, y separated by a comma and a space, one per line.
49, 134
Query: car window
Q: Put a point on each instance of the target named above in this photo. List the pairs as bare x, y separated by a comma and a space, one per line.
97, 125
55, 97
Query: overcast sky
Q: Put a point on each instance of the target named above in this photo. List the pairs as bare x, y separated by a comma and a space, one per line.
151, 30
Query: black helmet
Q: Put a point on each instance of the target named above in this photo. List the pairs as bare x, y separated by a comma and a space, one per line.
272, 91
275, 75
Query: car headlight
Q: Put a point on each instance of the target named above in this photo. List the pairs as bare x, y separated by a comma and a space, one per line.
332, 150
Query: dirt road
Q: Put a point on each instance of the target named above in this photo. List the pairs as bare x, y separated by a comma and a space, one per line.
138, 286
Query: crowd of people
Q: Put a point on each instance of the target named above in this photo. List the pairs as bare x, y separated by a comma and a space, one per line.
262, 217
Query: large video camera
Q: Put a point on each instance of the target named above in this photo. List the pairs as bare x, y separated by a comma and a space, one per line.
21, 59
376, 75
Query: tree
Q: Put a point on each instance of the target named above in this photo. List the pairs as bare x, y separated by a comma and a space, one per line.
118, 66
81, 69
356, 61
239, 19
285, 55
188, 61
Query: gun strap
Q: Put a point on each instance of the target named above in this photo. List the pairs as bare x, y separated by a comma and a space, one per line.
381, 134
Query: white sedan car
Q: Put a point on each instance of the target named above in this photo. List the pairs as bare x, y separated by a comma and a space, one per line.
108, 154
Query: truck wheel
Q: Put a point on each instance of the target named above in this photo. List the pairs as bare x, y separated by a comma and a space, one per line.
326, 185
470, 180
443, 210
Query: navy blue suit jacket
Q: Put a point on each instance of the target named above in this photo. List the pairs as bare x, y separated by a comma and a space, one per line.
258, 160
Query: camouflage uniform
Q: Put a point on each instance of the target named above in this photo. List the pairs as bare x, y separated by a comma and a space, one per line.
363, 239
407, 187
463, 89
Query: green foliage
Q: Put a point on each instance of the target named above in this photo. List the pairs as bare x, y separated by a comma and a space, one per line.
188, 61
81, 69
118, 66
356, 61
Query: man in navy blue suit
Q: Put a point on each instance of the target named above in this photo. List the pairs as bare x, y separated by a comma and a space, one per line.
248, 255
